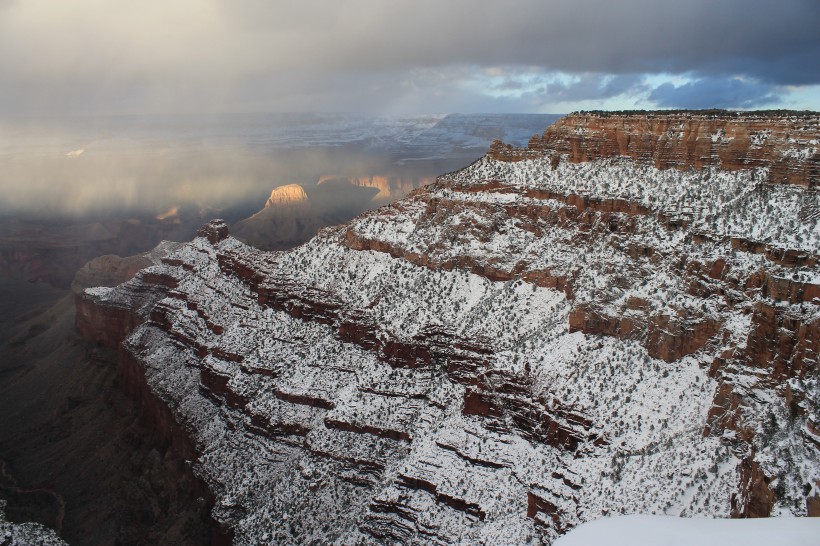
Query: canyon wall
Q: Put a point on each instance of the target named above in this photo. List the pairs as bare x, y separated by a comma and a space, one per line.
785, 142
548, 336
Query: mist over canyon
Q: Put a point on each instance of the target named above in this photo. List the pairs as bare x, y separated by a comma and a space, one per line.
79, 194
613, 314
619, 317
290, 273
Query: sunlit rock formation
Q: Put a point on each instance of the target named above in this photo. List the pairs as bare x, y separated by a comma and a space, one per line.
294, 213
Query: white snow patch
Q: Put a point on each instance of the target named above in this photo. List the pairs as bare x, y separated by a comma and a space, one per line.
642, 530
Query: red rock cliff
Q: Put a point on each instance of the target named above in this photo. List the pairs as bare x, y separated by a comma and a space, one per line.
693, 140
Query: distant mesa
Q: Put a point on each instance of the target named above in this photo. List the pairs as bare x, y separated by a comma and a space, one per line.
295, 212
283, 195
285, 221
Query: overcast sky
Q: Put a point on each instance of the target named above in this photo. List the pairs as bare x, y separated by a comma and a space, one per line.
404, 57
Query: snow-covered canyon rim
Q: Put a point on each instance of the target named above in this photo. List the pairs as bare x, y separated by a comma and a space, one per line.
639, 530
623, 317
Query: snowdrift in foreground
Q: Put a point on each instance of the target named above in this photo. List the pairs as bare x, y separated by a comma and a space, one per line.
640, 530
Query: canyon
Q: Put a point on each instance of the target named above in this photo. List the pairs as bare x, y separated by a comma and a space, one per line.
621, 317
76, 454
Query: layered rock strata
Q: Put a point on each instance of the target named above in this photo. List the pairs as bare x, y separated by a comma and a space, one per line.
531, 342
784, 142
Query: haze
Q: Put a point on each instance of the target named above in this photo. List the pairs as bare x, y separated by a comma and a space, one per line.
97, 95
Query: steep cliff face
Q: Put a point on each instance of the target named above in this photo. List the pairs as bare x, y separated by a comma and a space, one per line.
529, 343
785, 142
75, 454
390, 187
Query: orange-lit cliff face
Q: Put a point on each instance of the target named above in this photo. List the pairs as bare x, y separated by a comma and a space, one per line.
391, 187
789, 144
286, 195
294, 213
287, 219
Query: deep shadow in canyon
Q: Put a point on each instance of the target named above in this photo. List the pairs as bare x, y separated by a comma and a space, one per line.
77, 456
75, 452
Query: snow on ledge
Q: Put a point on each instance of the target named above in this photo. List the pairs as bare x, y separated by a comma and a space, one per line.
640, 530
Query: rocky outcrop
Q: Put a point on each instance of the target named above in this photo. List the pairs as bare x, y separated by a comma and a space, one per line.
526, 341
110, 270
390, 187
755, 499
215, 231
786, 142
108, 322
286, 195
782, 341
294, 213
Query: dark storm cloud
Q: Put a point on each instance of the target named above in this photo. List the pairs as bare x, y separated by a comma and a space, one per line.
626, 36
594, 87
715, 93
167, 55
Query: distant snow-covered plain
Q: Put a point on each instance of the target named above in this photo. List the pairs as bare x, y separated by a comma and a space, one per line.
642, 530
